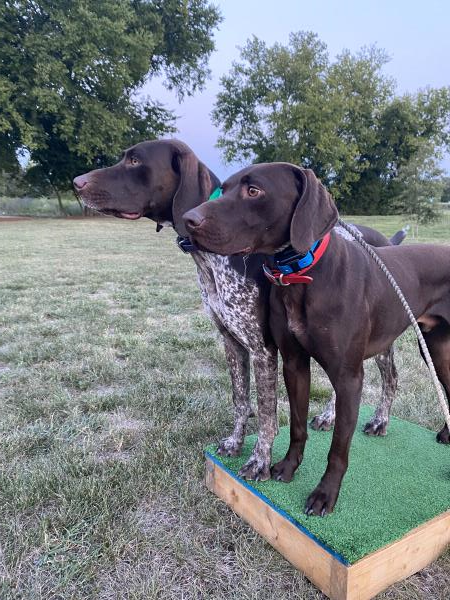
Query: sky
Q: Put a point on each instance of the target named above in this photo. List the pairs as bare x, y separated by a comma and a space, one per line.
415, 34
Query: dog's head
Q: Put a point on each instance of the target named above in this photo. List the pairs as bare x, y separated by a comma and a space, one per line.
159, 180
262, 208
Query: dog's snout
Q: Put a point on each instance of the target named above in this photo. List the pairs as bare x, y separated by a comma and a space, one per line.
193, 219
80, 182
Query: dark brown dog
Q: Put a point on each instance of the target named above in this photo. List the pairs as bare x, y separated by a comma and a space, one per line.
347, 314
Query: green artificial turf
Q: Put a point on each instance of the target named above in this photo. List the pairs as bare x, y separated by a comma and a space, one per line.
393, 484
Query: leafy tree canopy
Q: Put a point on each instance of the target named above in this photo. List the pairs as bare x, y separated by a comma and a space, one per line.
70, 71
342, 118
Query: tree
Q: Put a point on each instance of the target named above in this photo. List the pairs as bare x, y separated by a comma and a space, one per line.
421, 186
70, 71
341, 118
445, 190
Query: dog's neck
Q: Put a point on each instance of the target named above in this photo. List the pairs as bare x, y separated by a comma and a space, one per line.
214, 192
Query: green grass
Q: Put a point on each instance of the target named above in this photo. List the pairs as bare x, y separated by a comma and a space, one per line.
382, 498
438, 232
112, 383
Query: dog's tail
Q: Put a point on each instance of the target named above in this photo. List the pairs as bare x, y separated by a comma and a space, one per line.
398, 237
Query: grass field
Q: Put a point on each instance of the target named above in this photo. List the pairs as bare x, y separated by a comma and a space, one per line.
113, 382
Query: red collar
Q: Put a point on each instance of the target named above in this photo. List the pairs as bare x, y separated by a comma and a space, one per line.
278, 278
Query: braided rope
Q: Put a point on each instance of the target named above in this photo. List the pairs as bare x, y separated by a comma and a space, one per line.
359, 238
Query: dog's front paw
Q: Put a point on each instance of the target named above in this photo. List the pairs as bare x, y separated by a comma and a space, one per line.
322, 422
230, 446
443, 437
257, 468
283, 470
376, 426
321, 501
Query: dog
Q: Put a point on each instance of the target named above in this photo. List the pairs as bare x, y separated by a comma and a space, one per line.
346, 313
161, 180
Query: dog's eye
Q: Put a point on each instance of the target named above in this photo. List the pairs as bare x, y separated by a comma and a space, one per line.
253, 191
135, 161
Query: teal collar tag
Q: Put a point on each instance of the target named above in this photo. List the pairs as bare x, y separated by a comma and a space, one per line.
216, 194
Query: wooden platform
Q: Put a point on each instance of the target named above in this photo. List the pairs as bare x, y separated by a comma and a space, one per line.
324, 567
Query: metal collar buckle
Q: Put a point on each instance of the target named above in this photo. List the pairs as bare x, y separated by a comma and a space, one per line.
275, 280
185, 245
281, 282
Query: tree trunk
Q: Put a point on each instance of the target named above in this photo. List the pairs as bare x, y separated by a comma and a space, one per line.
79, 203
62, 210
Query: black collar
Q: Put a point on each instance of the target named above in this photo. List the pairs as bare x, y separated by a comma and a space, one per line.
185, 245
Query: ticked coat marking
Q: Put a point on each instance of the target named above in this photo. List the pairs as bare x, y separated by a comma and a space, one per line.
236, 304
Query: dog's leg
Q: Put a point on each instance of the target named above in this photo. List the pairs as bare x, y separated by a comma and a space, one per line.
239, 366
348, 389
265, 367
325, 421
438, 342
389, 379
297, 376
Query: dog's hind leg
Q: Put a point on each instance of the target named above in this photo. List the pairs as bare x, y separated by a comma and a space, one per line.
438, 342
325, 421
239, 366
379, 422
389, 380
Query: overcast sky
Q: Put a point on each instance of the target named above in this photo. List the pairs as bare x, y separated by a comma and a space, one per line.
415, 34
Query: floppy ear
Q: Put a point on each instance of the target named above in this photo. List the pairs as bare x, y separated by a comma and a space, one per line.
193, 189
315, 213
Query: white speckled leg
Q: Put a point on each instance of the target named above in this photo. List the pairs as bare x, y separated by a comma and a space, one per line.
266, 370
325, 420
379, 422
239, 367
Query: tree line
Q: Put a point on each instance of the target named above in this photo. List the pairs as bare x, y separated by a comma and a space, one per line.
340, 118
71, 71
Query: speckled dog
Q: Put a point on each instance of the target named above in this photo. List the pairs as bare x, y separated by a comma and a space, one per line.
347, 313
161, 180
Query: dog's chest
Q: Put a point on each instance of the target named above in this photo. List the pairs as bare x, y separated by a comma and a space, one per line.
230, 298
296, 323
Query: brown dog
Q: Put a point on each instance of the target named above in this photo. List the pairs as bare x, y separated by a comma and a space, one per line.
347, 314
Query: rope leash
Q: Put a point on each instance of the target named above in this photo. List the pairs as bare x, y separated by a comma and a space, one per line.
359, 238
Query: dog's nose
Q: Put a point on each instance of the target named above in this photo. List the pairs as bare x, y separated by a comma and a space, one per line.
193, 219
80, 181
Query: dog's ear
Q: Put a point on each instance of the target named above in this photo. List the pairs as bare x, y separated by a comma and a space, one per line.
315, 213
193, 188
